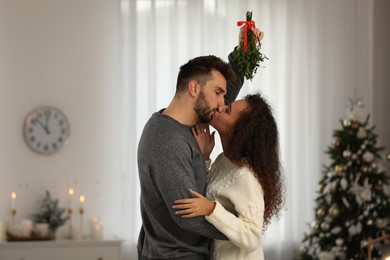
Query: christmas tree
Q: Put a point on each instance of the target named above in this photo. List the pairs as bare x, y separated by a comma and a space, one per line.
353, 201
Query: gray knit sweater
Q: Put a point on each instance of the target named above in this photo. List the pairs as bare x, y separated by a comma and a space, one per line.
169, 164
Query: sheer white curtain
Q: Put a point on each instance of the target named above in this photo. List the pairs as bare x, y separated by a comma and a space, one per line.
320, 54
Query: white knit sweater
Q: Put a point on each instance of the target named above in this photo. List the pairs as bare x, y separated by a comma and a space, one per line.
239, 210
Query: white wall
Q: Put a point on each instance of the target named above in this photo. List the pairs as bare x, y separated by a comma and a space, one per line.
64, 54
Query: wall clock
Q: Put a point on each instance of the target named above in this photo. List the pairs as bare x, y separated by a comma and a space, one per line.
46, 130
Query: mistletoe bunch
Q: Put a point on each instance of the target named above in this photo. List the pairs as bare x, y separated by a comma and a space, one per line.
248, 57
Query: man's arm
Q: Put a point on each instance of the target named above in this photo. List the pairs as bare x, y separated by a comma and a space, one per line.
179, 177
233, 87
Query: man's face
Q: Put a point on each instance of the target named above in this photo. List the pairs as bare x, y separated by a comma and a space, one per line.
211, 96
202, 109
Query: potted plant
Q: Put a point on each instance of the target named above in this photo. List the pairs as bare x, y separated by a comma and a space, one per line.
51, 214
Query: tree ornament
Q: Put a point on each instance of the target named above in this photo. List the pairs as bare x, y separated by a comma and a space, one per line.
361, 133
344, 183
321, 212
331, 186
368, 156
334, 211
346, 204
336, 142
380, 223
314, 225
355, 229
347, 123
354, 104
355, 125
336, 230
303, 249
354, 109
248, 56
339, 242
347, 153
327, 256
338, 169
366, 192
374, 165
365, 169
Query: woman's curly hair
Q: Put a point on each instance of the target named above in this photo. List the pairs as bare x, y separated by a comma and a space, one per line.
255, 143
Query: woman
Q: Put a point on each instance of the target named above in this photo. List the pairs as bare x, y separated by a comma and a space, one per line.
245, 184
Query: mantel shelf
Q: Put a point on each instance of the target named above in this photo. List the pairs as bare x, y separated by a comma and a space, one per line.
61, 250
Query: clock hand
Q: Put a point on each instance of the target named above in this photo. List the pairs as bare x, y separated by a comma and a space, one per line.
47, 122
43, 126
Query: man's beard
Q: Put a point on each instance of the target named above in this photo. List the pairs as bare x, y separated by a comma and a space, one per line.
203, 109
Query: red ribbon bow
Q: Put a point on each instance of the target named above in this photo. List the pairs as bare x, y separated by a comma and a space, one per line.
247, 25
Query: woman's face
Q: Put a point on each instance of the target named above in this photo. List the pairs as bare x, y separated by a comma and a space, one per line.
225, 119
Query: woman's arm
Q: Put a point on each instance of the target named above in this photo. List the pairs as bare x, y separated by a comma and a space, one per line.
194, 207
244, 227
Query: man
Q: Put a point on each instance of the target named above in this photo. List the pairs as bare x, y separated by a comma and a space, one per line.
170, 162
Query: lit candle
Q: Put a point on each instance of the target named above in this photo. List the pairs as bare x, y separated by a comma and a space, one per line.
97, 232
13, 200
70, 192
82, 199
95, 221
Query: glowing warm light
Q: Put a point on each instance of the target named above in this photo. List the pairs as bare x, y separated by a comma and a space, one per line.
82, 198
13, 196
71, 191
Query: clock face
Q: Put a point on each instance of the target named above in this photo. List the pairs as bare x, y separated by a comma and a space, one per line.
46, 130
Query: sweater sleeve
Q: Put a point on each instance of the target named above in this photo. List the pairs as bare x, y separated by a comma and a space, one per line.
175, 184
245, 229
233, 87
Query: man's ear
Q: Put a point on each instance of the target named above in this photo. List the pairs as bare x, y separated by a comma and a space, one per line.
193, 88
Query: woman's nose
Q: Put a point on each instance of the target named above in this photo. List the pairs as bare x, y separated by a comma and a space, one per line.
221, 108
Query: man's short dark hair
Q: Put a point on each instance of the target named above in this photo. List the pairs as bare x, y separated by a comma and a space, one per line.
200, 68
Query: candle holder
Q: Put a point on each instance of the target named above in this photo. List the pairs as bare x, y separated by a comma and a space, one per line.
70, 225
13, 215
81, 223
